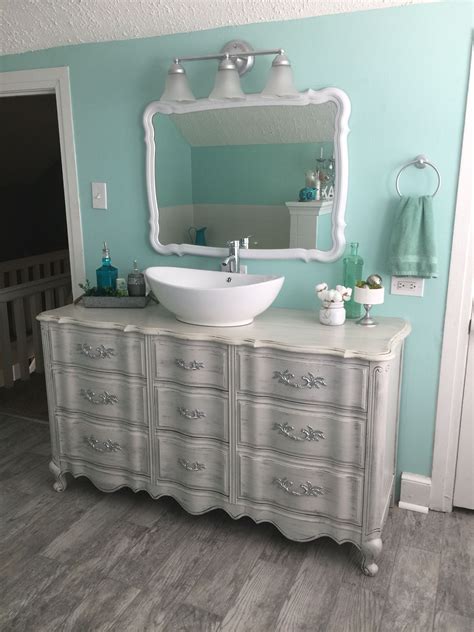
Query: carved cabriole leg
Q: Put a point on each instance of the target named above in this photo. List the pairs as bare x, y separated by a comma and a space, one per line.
371, 551
60, 483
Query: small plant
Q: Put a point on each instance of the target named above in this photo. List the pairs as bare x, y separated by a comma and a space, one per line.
368, 286
328, 296
91, 290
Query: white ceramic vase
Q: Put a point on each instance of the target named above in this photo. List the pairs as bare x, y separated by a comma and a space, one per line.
332, 313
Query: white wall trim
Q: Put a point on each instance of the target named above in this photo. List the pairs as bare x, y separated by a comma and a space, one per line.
455, 336
415, 492
412, 507
56, 81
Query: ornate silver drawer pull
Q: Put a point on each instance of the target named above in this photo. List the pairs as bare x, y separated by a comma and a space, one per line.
307, 434
99, 352
191, 414
102, 446
307, 489
191, 467
192, 366
308, 381
98, 398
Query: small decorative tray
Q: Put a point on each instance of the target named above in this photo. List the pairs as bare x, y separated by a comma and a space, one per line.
114, 301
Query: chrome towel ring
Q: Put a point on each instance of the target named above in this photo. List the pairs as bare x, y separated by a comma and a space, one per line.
420, 162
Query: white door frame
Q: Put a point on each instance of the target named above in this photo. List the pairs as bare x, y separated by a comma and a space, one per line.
456, 323
56, 81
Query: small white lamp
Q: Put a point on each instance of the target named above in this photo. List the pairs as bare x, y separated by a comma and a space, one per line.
280, 81
227, 84
177, 86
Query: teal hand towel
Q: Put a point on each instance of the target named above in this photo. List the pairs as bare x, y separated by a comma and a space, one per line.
412, 244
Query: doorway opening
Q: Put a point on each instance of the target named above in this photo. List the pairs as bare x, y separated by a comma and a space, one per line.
40, 209
34, 253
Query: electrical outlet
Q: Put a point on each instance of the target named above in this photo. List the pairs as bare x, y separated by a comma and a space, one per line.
408, 286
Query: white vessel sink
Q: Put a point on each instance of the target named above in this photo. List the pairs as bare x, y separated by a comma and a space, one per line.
215, 299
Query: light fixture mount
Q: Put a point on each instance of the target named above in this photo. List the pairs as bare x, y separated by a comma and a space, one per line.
236, 47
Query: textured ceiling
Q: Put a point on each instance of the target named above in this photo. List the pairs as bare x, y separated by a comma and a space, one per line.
27, 25
258, 126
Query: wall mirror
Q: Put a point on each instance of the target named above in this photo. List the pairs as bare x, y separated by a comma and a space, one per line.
218, 170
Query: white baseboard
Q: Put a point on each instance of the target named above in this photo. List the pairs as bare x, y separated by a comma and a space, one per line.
415, 492
412, 507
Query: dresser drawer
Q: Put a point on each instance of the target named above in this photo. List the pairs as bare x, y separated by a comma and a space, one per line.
310, 490
98, 349
193, 463
101, 396
312, 379
107, 445
198, 364
192, 411
301, 432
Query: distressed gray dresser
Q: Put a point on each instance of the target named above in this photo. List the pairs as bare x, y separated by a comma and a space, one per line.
285, 420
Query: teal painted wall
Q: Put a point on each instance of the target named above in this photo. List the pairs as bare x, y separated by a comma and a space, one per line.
235, 174
252, 174
405, 70
173, 169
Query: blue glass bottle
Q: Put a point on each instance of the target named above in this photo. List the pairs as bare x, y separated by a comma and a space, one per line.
107, 274
353, 264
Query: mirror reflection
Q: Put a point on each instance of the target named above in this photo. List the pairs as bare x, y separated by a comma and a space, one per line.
224, 174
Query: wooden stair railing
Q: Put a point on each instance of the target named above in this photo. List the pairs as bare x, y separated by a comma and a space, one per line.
27, 287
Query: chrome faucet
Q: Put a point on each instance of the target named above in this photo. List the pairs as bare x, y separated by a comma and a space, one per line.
232, 262
245, 242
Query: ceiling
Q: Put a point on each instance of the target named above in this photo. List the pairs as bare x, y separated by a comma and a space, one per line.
27, 25
269, 125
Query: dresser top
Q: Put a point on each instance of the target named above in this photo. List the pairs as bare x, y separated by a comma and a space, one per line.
286, 329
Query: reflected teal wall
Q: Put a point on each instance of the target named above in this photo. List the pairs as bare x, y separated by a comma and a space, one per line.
405, 70
173, 169
253, 174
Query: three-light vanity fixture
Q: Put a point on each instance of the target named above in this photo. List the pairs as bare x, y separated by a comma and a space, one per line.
235, 59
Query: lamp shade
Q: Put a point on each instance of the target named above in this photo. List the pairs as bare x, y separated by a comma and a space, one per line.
280, 80
227, 84
177, 86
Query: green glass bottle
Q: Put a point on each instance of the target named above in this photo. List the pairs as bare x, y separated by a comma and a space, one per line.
107, 273
353, 264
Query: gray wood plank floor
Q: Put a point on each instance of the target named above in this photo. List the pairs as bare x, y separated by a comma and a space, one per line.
86, 561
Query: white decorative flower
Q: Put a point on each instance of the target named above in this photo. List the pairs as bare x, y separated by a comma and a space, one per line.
327, 296
347, 294
320, 287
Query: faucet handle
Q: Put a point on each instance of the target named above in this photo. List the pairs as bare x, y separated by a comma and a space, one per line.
245, 241
233, 243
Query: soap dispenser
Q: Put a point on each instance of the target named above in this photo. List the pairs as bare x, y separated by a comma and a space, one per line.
107, 274
136, 282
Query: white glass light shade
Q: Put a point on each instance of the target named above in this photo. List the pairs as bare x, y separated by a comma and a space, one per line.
177, 86
227, 84
280, 80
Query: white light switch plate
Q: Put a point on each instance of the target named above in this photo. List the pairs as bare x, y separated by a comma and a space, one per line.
408, 286
99, 195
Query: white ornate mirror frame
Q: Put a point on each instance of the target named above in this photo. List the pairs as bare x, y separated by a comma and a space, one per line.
316, 97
